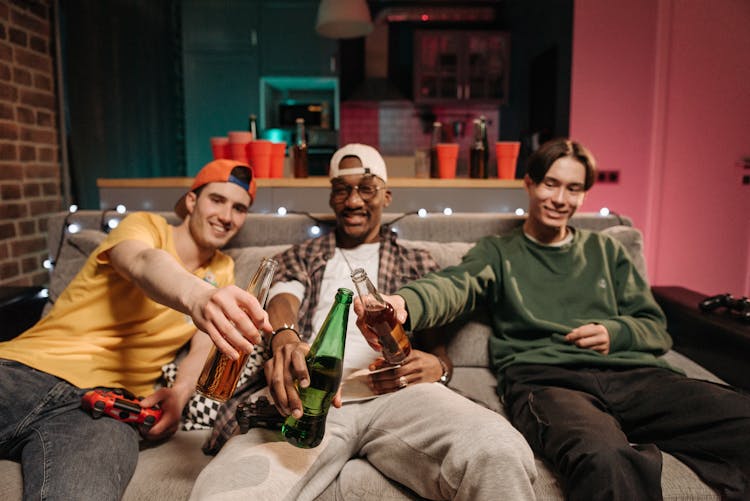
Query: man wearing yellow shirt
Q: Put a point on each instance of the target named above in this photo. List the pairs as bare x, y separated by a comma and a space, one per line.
148, 289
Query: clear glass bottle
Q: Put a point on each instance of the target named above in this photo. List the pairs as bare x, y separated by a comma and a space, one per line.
300, 150
220, 374
252, 126
381, 318
437, 137
325, 362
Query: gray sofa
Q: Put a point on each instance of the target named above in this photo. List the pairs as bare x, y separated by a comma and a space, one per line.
168, 470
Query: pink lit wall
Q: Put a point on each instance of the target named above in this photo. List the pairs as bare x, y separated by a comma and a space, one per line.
659, 92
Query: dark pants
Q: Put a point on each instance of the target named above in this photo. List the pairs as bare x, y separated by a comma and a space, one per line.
65, 453
584, 421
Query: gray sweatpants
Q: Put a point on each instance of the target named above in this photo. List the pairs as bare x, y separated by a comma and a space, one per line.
426, 437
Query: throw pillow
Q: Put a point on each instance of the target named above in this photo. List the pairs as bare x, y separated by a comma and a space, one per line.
444, 253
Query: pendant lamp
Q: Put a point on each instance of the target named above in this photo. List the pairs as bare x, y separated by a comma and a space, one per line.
343, 19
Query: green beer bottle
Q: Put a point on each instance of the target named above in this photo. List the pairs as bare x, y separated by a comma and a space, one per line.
324, 364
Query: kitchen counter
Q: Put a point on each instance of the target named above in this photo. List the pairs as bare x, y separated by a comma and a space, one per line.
311, 194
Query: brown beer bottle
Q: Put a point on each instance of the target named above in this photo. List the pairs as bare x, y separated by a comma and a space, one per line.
300, 150
477, 157
381, 318
220, 374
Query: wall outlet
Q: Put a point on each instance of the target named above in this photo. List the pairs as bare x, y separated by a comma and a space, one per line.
608, 176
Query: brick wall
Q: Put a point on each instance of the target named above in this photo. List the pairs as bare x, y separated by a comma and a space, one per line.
29, 147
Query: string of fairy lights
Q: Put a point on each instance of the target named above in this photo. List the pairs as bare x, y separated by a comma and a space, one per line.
110, 218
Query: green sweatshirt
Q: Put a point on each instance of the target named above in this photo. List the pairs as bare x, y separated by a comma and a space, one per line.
535, 294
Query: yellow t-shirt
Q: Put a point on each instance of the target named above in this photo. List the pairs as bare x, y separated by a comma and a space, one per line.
103, 330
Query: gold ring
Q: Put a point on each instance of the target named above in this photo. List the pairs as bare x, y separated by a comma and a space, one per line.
402, 382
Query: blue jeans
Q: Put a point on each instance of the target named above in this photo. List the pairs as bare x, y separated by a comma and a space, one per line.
65, 453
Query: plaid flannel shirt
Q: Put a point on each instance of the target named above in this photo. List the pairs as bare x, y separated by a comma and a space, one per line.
306, 263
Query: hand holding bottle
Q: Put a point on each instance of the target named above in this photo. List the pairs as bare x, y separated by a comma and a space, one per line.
288, 365
418, 367
399, 308
325, 362
221, 373
380, 319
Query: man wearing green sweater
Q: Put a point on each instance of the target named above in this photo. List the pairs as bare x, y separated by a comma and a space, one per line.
576, 335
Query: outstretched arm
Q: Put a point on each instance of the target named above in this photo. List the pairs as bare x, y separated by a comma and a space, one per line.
229, 315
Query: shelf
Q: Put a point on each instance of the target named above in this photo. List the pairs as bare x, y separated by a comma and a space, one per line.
311, 194
314, 182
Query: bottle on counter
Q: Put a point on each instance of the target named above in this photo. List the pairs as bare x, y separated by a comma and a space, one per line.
381, 318
253, 126
477, 156
485, 141
437, 137
220, 374
300, 150
325, 362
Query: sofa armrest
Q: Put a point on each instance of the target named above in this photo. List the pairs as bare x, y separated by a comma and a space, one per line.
715, 340
20, 308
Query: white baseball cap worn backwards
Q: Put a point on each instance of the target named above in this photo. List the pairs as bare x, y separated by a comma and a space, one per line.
372, 162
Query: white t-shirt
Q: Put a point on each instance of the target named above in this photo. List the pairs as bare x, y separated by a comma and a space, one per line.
358, 355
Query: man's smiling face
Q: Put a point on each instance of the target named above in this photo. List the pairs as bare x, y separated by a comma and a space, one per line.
358, 201
217, 213
554, 200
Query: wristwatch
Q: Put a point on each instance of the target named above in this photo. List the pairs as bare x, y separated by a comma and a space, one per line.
446, 377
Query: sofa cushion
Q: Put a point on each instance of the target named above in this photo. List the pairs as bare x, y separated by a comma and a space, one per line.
247, 260
73, 252
632, 239
167, 470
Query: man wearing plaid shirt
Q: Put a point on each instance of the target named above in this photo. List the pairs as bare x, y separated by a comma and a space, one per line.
415, 432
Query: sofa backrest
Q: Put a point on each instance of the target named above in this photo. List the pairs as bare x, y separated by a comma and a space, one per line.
447, 238
263, 235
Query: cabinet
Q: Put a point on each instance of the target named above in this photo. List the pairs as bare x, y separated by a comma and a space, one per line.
220, 72
289, 44
227, 46
219, 24
470, 66
221, 90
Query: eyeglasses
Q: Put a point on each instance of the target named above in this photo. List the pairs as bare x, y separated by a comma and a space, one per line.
366, 192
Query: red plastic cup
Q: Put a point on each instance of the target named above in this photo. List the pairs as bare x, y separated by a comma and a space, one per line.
220, 148
259, 156
447, 157
238, 145
278, 150
507, 157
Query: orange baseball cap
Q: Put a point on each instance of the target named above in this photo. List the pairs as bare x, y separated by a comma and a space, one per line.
218, 171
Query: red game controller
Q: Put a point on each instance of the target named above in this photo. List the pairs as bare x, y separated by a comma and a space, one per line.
121, 405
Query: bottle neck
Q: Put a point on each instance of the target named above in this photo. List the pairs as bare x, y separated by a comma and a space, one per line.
331, 338
368, 293
437, 135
